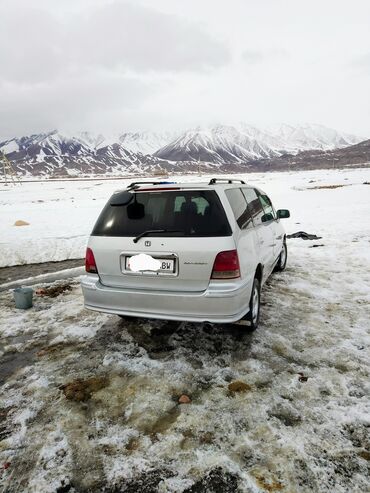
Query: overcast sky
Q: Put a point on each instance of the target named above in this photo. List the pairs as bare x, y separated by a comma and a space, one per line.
114, 66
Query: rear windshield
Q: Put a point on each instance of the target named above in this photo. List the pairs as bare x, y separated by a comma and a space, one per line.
185, 213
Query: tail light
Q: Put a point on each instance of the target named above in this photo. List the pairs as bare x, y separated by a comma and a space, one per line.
226, 265
90, 264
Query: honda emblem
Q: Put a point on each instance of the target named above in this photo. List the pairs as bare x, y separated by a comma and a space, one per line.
148, 243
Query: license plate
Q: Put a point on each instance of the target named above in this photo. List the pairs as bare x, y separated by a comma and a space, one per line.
167, 266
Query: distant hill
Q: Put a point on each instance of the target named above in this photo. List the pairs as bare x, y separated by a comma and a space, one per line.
358, 154
225, 144
219, 148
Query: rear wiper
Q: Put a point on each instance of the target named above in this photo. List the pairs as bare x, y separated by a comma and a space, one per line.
150, 231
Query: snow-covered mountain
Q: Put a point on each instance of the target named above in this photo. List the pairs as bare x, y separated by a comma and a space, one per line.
344, 157
220, 144
243, 143
146, 142
295, 138
226, 146
54, 153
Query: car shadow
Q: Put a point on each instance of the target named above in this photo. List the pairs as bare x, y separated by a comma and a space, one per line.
197, 341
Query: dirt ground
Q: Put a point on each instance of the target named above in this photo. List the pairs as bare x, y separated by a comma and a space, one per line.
16, 272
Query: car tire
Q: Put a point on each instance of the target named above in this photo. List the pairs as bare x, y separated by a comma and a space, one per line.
255, 305
282, 260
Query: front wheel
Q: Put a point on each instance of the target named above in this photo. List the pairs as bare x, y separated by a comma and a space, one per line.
255, 305
283, 257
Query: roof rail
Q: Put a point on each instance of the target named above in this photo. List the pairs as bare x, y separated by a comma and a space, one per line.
136, 184
227, 180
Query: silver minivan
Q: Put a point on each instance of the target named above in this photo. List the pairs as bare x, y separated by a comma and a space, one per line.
184, 251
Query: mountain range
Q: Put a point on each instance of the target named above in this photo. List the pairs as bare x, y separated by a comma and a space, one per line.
221, 147
222, 144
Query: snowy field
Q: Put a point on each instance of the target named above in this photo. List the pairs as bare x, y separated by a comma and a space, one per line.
300, 422
61, 214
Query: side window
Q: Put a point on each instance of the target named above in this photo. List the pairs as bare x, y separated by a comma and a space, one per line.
239, 207
254, 205
266, 204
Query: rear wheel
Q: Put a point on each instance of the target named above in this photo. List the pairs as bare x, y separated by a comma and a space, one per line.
255, 305
283, 257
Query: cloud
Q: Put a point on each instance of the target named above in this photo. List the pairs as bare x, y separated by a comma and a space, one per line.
77, 102
361, 62
30, 45
260, 56
37, 45
126, 35
77, 63
119, 65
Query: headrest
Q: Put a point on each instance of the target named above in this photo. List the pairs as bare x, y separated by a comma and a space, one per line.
189, 208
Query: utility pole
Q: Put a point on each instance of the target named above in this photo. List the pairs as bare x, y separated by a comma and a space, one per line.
10, 176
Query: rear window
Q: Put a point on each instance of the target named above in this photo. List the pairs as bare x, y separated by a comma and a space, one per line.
190, 213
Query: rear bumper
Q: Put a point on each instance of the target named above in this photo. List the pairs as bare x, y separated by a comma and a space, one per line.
224, 302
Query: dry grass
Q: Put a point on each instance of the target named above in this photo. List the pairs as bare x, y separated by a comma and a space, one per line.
330, 187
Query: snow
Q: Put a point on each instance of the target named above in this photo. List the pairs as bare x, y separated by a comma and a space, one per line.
218, 144
302, 426
145, 142
9, 147
62, 214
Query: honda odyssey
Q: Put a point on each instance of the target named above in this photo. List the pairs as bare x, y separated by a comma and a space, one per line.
184, 251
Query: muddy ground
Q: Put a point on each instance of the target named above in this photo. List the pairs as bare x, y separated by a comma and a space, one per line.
89, 402
16, 272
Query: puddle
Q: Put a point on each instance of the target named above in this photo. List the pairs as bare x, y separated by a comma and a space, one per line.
12, 362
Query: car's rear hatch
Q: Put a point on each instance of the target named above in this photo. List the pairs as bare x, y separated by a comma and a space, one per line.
193, 229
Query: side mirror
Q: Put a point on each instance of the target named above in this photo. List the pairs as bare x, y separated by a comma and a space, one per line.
267, 217
283, 214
